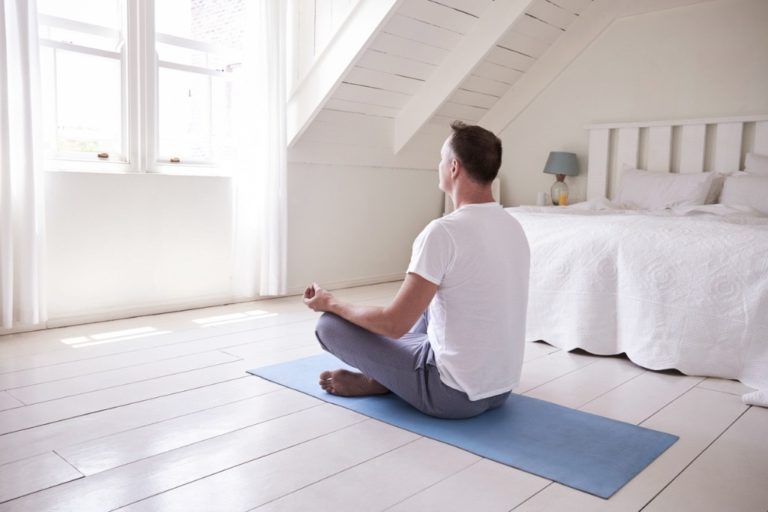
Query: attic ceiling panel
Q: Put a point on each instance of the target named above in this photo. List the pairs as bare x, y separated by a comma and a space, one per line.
484, 85
373, 59
575, 6
475, 7
474, 99
458, 111
408, 48
438, 15
524, 44
423, 32
509, 58
551, 13
371, 95
495, 72
383, 80
537, 29
360, 108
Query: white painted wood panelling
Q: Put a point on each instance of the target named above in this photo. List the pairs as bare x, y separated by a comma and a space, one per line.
423, 31
475, 99
314, 22
428, 11
525, 44
597, 166
487, 69
244, 443
727, 149
474, 7
396, 65
692, 138
484, 85
34, 474
537, 29
458, 111
418, 38
761, 138
408, 48
551, 13
659, 148
509, 58
382, 80
685, 146
627, 145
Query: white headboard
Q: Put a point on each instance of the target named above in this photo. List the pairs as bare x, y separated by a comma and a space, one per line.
685, 146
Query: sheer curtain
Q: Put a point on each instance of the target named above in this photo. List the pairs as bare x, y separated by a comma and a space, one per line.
21, 187
260, 225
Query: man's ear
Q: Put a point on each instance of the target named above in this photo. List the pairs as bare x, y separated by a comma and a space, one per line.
455, 167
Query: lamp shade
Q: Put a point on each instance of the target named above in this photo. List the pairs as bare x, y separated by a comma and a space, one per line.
560, 162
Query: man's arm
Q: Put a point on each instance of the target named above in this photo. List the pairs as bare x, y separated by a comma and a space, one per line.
392, 321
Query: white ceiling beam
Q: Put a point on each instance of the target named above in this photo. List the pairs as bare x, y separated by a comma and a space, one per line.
579, 35
344, 49
488, 29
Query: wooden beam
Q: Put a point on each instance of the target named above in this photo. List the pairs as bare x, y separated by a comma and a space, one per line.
345, 47
493, 24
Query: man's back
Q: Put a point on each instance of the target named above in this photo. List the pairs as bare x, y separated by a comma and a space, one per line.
479, 257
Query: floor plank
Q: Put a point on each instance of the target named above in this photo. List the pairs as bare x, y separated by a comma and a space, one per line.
133, 482
112, 451
110, 379
34, 474
588, 382
729, 475
282, 473
7, 401
53, 436
397, 475
698, 417
485, 485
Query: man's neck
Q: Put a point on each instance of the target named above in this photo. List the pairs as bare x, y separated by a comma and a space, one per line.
473, 195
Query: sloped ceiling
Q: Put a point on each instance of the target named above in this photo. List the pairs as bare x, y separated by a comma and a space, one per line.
434, 61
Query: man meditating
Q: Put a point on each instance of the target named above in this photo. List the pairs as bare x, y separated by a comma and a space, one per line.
451, 342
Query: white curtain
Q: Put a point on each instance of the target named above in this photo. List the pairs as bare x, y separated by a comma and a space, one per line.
21, 181
260, 181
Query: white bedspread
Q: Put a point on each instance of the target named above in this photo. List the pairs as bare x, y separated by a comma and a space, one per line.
685, 290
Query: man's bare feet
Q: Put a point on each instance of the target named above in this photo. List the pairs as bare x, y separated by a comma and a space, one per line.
346, 383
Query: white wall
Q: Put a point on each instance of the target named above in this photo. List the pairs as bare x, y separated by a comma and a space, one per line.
354, 206
705, 60
127, 244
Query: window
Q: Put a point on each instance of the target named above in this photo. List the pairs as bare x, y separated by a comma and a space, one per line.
139, 85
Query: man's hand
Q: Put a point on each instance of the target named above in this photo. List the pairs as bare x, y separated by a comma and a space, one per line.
318, 299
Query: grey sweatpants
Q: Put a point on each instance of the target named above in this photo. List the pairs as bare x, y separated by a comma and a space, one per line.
405, 366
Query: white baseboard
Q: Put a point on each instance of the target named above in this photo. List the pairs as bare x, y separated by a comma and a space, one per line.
351, 283
106, 315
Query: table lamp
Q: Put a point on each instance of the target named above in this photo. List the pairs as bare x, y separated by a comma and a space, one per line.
561, 164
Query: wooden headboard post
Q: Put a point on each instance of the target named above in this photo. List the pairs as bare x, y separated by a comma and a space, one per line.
683, 146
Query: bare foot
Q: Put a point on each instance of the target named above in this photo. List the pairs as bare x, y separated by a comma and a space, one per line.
346, 383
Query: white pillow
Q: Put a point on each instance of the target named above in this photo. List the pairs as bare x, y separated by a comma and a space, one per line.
648, 190
746, 190
756, 164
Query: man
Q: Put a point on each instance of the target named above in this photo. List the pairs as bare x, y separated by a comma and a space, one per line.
464, 299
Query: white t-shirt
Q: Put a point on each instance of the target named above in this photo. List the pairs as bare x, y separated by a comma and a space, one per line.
479, 258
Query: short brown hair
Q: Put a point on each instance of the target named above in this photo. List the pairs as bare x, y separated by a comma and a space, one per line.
478, 150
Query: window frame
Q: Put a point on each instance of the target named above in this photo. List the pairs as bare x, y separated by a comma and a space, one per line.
140, 70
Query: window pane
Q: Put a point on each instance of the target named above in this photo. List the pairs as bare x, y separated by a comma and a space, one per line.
111, 44
87, 103
105, 13
185, 120
220, 23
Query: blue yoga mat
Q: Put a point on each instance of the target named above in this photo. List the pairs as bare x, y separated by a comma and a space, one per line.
581, 450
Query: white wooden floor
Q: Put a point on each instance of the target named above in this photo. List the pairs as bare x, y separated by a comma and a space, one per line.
156, 413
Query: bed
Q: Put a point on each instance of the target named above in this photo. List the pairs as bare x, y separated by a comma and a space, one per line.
682, 287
